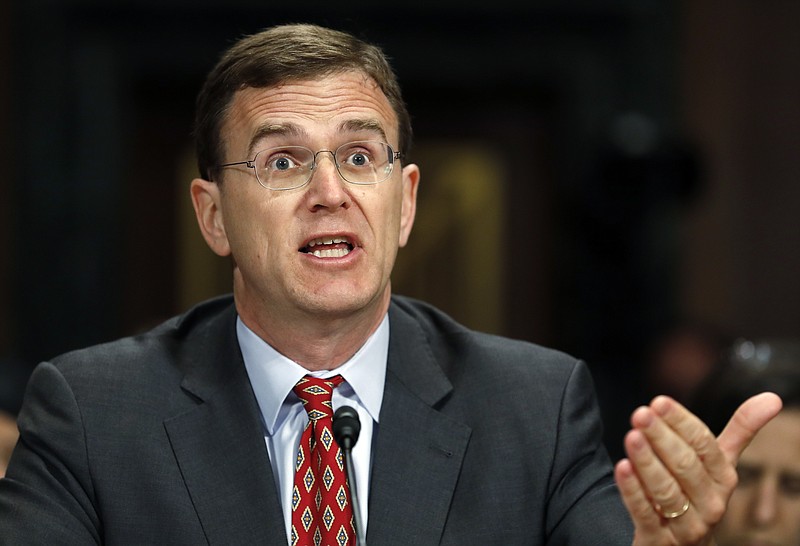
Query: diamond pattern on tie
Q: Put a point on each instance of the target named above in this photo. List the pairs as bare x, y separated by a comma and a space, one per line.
326, 438
318, 499
328, 518
308, 479
295, 498
341, 537
315, 390
327, 478
341, 497
306, 519
321, 510
315, 415
340, 460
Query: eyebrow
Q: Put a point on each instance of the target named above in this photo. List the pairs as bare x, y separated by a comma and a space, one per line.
290, 129
272, 129
357, 125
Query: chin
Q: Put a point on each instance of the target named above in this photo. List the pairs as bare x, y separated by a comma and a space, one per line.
338, 304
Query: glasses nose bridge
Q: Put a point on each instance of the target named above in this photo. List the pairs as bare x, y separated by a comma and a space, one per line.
314, 163
333, 157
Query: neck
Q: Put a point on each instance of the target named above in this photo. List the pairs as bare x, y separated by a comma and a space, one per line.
315, 340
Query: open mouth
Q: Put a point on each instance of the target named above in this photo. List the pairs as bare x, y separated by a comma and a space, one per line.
328, 247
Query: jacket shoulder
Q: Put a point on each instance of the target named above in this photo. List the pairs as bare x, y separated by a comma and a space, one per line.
170, 347
452, 342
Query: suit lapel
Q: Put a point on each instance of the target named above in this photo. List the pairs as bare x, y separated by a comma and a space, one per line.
219, 444
419, 451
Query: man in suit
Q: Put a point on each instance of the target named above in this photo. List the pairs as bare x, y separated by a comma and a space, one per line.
189, 434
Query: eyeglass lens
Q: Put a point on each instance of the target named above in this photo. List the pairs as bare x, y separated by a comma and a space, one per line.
362, 162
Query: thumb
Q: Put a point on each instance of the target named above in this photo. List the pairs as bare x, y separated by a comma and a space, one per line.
748, 419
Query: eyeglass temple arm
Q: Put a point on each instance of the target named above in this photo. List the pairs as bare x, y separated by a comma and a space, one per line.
249, 163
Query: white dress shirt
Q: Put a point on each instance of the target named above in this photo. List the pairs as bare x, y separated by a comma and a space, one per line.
273, 376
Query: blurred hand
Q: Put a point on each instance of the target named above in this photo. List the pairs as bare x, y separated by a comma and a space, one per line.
678, 478
8, 439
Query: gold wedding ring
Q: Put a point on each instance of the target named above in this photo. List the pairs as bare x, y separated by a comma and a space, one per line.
673, 515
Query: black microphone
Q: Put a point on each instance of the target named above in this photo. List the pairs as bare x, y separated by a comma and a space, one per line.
346, 428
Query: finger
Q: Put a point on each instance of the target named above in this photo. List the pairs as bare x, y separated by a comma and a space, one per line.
635, 499
654, 451
661, 511
700, 467
704, 461
747, 420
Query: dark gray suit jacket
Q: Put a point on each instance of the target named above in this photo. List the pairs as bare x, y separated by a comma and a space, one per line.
157, 439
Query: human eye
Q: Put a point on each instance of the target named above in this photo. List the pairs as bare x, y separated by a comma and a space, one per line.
748, 475
358, 154
281, 162
282, 167
790, 484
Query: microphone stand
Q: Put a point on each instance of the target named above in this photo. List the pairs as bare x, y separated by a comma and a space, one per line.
346, 427
361, 540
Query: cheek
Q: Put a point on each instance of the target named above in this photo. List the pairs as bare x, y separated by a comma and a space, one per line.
396, 212
392, 234
250, 233
737, 508
382, 213
793, 511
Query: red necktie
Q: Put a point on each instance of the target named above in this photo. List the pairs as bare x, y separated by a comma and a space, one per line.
321, 511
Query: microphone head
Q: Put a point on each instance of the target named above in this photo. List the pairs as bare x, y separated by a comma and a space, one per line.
346, 427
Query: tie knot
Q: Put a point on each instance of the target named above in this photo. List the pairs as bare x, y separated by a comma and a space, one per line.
316, 395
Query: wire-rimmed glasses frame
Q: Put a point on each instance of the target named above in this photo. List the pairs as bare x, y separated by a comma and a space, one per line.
361, 162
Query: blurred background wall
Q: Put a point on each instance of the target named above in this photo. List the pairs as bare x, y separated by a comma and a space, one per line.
595, 173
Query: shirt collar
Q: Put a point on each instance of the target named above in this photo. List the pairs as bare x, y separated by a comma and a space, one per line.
272, 375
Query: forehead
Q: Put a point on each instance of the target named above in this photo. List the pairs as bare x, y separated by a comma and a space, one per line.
321, 107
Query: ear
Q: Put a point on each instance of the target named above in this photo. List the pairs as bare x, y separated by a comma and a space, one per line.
409, 204
206, 198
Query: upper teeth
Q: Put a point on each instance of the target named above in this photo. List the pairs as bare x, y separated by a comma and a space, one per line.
329, 241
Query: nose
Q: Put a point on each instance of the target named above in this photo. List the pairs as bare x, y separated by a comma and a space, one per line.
326, 190
764, 508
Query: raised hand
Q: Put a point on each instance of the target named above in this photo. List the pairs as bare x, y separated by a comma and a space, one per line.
678, 477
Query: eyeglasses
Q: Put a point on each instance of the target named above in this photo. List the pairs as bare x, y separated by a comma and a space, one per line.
362, 162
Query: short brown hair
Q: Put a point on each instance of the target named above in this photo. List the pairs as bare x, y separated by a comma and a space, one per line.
283, 54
